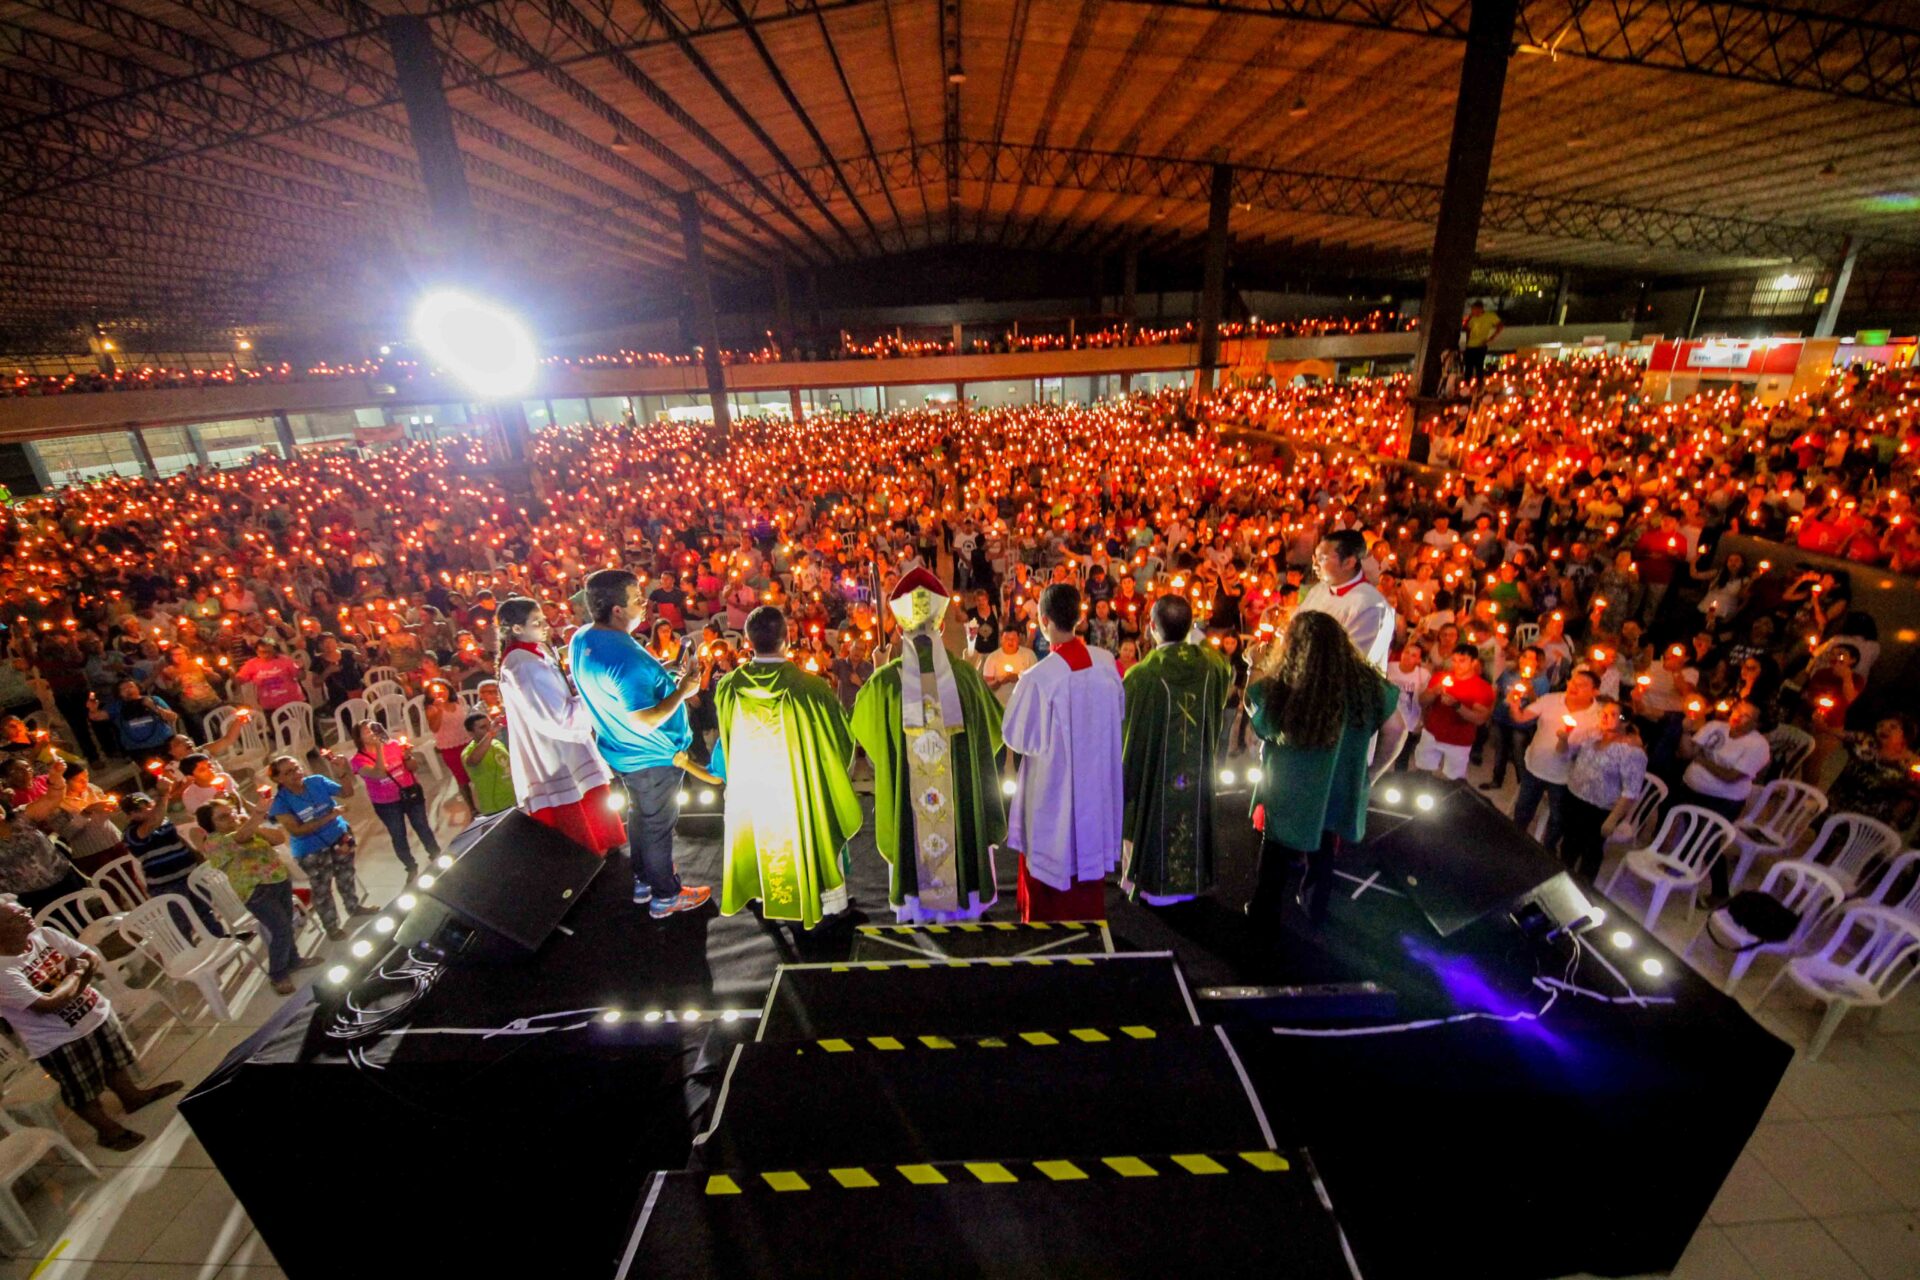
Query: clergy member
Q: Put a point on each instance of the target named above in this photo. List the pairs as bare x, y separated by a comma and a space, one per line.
790, 807
1344, 592
1064, 723
937, 810
1175, 698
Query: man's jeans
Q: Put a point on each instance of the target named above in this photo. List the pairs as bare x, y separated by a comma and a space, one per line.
1527, 802
272, 905
653, 803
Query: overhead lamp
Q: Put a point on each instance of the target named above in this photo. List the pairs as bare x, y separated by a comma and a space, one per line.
957, 76
1299, 107
620, 145
1829, 170
479, 342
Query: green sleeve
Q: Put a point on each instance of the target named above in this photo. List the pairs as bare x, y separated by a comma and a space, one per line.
1263, 708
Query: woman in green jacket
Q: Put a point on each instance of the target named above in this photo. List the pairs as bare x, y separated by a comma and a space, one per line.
1316, 714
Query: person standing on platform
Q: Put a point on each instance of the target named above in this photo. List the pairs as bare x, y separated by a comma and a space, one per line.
1176, 696
1724, 759
639, 711
1344, 592
1609, 769
558, 777
784, 740
1558, 719
1457, 702
1316, 716
1064, 722
937, 808
1480, 328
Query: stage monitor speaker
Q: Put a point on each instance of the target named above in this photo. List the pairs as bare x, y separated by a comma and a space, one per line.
514, 879
1459, 858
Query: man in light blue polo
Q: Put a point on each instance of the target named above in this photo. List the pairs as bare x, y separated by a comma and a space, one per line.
640, 713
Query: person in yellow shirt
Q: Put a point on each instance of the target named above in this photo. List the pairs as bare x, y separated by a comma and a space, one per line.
1482, 327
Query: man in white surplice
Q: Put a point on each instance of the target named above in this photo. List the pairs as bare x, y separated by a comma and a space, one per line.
1063, 721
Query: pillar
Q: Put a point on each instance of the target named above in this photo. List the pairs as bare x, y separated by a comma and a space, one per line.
794, 404
199, 445
283, 430
1129, 285
145, 454
1699, 301
706, 325
1837, 293
958, 339
783, 310
423, 93
1476, 118
1213, 275
1560, 293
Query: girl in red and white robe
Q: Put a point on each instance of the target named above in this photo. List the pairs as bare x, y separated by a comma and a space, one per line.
558, 775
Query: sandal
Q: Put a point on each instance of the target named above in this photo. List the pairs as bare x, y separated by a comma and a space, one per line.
158, 1092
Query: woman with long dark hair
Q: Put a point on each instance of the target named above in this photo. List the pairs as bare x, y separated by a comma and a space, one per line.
1316, 712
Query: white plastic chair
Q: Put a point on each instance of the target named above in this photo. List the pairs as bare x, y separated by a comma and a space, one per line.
1679, 856
346, 718
1790, 747
26, 1090
211, 886
1866, 962
420, 733
1775, 821
378, 689
1807, 891
1852, 846
472, 701
86, 915
293, 729
376, 675
1897, 888
391, 711
1526, 633
184, 954
1636, 826
123, 881
20, 1150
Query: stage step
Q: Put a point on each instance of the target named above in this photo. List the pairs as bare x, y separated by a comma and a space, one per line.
1072, 1090
975, 997
980, 939
1248, 1212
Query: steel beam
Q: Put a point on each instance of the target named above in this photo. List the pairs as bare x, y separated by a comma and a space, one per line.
706, 324
430, 124
1213, 275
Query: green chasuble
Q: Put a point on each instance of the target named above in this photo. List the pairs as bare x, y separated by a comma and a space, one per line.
1310, 790
790, 804
979, 812
1175, 697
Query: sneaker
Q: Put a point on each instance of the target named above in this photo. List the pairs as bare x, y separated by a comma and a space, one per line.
642, 893
283, 987
689, 897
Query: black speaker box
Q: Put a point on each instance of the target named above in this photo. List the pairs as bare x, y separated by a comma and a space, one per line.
512, 881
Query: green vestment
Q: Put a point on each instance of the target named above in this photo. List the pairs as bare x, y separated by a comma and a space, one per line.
1310, 790
979, 813
1175, 697
790, 804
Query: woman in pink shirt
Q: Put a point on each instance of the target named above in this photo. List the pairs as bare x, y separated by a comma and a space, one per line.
274, 676
388, 768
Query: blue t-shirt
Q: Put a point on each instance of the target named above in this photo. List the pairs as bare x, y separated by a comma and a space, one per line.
314, 798
141, 726
617, 677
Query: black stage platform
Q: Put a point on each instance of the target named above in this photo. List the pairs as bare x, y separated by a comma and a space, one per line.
519, 1132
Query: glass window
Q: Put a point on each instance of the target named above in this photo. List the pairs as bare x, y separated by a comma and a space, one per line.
232, 442
72, 459
322, 428
569, 412
609, 408
172, 449
538, 419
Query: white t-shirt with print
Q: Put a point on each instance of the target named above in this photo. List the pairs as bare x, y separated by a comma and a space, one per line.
30, 977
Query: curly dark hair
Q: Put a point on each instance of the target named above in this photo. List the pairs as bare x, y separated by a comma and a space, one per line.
1321, 682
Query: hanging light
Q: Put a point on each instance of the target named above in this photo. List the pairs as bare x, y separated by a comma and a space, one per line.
620, 145
1299, 107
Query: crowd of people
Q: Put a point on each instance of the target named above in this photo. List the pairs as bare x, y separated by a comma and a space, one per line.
1548, 598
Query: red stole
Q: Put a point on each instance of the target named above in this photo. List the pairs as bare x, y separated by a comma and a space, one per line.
1074, 654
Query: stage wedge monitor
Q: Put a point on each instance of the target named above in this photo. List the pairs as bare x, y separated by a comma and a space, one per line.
514, 878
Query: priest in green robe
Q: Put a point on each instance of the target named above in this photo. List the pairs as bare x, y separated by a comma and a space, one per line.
790, 806
932, 730
1176, 696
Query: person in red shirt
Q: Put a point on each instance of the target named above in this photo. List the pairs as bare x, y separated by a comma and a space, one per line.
1660, 553
1457, 702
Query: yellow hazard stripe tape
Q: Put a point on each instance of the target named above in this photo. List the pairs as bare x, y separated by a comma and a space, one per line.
978, 925
1039, 1039
997, 1172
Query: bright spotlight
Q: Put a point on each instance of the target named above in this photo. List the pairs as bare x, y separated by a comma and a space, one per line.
1423, 802
707, 797
611, 1015
1621, 940
652, 1015
1391, 795
425, 881
691, 1015
1254, 774
444, 862
384, 925
1652, 967
361, 949
731, 1015
406, 902
1008, 787
1227, 777
617, 800
337, 974
479, 342
684, 799
1597, 917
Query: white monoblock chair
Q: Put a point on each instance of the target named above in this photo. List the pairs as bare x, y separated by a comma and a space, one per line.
1898, 887
378, 689
185, 955
379, 675
1775, 821
1866, 962
1637, 824
122, 881
1788, 747
347, 718
20, 1150
391, 711
1807, 891
1852, 846
1526, 633
293, 729
85, 915
420, 734
25, 1090
1678, 857
211, 886
251, 747
472, 701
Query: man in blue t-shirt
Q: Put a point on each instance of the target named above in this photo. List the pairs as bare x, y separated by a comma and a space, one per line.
319, 837
639, 711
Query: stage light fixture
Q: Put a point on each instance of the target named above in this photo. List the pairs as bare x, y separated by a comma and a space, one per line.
1423, 802
444, 862
1008, 787
611, 1015
1598, 915
1652, 967
361, 948
1254, 775
683, 799
652, 1015
385, 350
691, 1015
617, 800
406, 901
1391, 795
1621, 940
337, 974
479, 342
731, 1015
425, 881
384, 925
1227, 777
707, 797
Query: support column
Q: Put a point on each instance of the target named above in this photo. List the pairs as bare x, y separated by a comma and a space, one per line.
795, 406
1476, 118
1130, 285
1213, 276
417, 68
199, 445
706, 325
958, 338
1837, 293
145, 454
1699, 301
783, 310
1560, 293
283, 430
